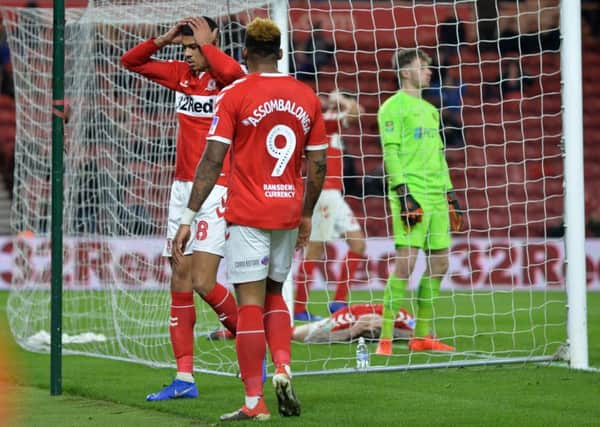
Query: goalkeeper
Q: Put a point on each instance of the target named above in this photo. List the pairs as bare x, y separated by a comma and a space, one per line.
423, 205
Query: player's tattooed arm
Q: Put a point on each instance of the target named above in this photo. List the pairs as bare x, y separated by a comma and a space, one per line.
315, 176
207, 173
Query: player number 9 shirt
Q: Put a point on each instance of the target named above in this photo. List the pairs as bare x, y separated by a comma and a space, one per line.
269, 119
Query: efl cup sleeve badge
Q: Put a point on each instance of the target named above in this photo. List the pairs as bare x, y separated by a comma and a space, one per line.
213, 125
389, 126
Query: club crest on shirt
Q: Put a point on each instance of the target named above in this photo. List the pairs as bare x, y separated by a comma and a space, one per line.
212, 85
389, 126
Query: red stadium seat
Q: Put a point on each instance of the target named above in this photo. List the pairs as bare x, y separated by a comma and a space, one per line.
512, 154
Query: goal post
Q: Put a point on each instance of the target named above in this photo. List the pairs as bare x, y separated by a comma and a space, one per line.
505, 297
58, 114
572, 99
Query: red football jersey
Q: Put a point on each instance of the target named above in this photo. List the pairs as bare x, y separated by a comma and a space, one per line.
335, 151
345, 317
195, 95
269, 119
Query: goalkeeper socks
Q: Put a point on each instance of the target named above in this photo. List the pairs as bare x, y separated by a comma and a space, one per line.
303, 284
429, 289
250, 347
181, 329
393, 296
223, 303
278, 329
349, 266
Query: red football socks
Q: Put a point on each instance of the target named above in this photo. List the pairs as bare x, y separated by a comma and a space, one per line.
302, 280
349, 266
250, 347
223, 303
181, 329
278, 329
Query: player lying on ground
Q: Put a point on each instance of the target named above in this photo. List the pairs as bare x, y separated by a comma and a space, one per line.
196, 82
346, 324
352, 322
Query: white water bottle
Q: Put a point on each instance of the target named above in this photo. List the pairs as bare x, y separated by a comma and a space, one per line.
362, 354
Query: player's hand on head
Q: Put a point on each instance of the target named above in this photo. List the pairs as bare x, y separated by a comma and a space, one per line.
180, 242
455, 211
202, 33
410, 210
173, 36
304, 232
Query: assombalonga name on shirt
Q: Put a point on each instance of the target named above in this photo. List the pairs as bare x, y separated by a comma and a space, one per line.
279, 104
279, 191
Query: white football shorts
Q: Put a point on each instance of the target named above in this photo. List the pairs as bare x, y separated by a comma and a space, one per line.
208, 227
332, 217
253, 254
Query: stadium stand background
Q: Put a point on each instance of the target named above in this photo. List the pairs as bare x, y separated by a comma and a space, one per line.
511, 163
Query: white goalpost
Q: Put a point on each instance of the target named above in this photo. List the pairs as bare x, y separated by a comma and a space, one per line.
505, 125
574, 199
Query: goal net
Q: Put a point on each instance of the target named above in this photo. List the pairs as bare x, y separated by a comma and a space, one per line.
495, 80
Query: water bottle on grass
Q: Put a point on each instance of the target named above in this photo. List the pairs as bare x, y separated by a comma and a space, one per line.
362, 354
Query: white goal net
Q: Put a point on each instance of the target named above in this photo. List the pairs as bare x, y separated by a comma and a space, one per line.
496, 81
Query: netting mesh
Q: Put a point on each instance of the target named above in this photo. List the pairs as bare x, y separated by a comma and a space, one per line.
119, 160
498, 91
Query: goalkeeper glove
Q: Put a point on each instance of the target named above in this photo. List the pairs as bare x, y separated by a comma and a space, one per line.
455, 211
410, 210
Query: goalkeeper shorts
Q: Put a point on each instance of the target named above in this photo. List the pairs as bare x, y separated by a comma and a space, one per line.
432, 233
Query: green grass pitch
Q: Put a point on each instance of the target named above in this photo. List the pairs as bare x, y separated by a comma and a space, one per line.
99, 392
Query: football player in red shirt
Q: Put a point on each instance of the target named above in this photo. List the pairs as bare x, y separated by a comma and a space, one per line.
270, 120
351, 322
196, 82
333, 217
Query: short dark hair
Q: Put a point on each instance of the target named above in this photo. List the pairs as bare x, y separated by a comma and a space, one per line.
186, 30
263, 38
